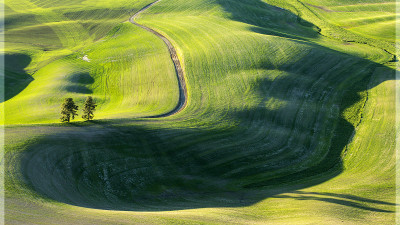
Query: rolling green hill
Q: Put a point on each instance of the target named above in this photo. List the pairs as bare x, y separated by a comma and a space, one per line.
290, 115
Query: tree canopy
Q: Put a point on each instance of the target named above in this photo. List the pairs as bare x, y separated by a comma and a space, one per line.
89, 108
68, 110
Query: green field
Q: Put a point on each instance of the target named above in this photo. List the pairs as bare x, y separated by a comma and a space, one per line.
290, 114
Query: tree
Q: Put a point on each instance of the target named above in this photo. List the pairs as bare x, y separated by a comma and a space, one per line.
68, 110
89, 108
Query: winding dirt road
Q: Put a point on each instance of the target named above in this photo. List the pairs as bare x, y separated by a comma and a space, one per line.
178, 68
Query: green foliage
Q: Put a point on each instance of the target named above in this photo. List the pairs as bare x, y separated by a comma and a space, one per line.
68, 110
88, 108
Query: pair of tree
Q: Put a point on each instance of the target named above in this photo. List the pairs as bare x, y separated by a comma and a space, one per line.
69, 109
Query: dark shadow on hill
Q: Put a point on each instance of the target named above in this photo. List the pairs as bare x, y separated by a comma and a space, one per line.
108, 165
81, 78
344, 200
141, 168
16, 79
78, 89
345, 196
315, 110
79, 83
268, 19
12, 21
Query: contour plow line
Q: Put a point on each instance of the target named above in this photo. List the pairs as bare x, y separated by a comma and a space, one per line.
178, 68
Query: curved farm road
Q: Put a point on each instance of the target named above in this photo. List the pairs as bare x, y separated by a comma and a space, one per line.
178, 68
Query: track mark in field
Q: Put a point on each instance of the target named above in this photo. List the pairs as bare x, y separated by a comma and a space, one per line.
178, 68
324, 8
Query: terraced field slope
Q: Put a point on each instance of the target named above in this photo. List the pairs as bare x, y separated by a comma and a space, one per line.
290, 114
357, 17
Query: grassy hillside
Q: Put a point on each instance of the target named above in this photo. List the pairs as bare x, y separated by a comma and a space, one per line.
46, 30
148, 87
286, 123
371, 22
375, 19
